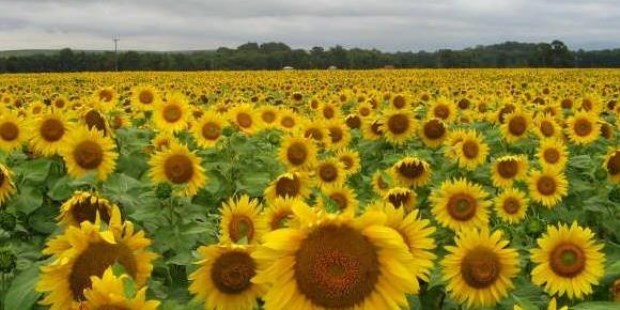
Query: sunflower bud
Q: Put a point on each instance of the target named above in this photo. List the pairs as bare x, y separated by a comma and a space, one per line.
8, 261
163, 191
534, 226
7, 221
227, 131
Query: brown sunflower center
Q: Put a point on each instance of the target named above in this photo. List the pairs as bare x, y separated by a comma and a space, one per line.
85, 210
268, 116
582, 127
508, 169
398, 124
567, 260
94, 119
241, 227
88, 154
613, 164
462, 207
480, 268
52, 130
9, 131
517, 125
244, 120
546, 185
146, 97
287, 122
375, 127
551, 155
399, 199
434, 129
106, 95
94, 260
347, 161
336, 134
328, 173
297, 153
287, 187
441, 111
328, 112
231, 272
470, 149
340, 199
59, 103
353, 121
314, 133
547, 128
364, 111
511, 205
280, 219
336, 267
411, 170
211, 131
399, 102
172, 113
179, 169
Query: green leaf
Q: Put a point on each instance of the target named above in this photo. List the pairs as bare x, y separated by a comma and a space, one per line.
28, 200
61, 190
597, 305
22, 294
36, 171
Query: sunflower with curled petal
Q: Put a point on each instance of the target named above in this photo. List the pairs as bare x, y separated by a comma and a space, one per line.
401, 197
108, 292
612, 164
552, 153
48, 131
411, 171
480, 268
547, 186
6, 184
241, 221
82, 252
568, 261
508, 169
12, 131
511, 205
87, 150
290, 184
180, 167
583, 128
85, 206
335, 261
459, 204
471, 152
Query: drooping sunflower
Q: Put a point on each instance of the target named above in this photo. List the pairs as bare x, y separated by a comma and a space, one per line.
353, 121
48, 132
433, 132
207, 130
343, 197
85, 206
240, 221
245, 118
87, 150
350, 159
480, 268
583, 128
94, 119
224, 279
109, 292
401, 197
547, 186
507, 169
471, 151
443, 109
290, 184
411, 171
612, 165
552, 153
511, 205
180, 167
297, 152
337, 134
336, 261
398, 126
329, 172
279, 213
568, 261
12, 131
372, 129
173, 114
6, 184
459, 204
144, 97
82, 252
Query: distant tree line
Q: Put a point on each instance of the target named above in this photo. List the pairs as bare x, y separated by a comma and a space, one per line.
273, 56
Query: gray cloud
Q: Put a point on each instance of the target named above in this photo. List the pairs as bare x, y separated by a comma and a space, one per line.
387, 24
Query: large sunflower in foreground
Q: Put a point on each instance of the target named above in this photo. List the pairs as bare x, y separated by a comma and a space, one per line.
85, 206
459, 204
82, 252
547, 186
224, 278
48, 132
6, 184
109, 292
480, 268
583, 128
240, 221
335, 261
180, 167
87, 150
568, 261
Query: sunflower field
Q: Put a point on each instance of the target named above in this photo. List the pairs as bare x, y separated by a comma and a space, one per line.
381, 189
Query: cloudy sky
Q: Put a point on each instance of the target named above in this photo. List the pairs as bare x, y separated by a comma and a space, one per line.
388, 25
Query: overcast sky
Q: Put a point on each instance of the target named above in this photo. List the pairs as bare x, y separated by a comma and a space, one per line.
388, 25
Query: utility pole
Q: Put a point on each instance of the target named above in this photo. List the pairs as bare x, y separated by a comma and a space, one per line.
116, 39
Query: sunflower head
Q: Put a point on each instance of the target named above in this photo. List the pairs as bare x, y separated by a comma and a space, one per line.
460, 204
552, 153
411, 171
515, 126
507, 169
471, 151
6, 184
341, 197
109, 291
398, 126
240, 221
297, 152
85, 206
511, 205
350, 160
179, 167
547, 186
433, 132
87, 150
583, 128
401, 197
207, 130
330, 172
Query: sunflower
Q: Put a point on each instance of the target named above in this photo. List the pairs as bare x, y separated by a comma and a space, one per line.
297, 152
173, 114
180, 167
433, 132
329, 172
547, 127
380, 183
329, 111
290, 184
612, 165
338, 134
245, 118
591, 103
164, 140
95, 120
553, 305
453, 141
85, 206
552, 153
207, 130
547, 186
511, 205
6, 184
442, 109
398, 126
144, 97
12, 131
471, 151
87, 150
353, 121
399, 101
411, 171
224, 279
240, 221
107, 97
459, 204
268, 116
336, 261
61, 103
109, 292
288, 119
82, 252
364, 109
515, 126
401, 197
372, 129
279, 213
350, 160
342, 197
568, 261
507, 169
583, 128
48, 132
36, 108
480, 268
316, 131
